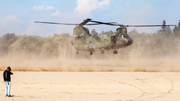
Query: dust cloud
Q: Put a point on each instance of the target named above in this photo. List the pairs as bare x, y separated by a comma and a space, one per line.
149, 53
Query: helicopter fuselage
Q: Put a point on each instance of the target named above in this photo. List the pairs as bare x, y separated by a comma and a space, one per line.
83, 41
103, 42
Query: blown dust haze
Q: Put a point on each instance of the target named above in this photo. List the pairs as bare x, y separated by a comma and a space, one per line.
148, 53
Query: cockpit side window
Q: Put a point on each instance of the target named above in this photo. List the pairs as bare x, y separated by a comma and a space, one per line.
123, 36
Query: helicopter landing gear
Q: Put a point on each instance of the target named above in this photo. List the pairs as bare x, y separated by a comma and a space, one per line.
91, 53
102, 52
115, 52
77, 53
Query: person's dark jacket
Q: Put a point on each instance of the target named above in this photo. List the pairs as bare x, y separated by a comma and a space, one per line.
6, 75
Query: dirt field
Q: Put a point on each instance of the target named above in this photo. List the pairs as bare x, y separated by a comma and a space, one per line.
93, 86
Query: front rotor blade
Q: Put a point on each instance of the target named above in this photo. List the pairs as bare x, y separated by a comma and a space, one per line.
85, 22
54, 23
114, 24
93, 24
105, 23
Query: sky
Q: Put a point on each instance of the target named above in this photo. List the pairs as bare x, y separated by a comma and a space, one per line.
18, 16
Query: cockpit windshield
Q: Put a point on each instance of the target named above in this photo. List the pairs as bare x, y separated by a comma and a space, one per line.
123, 36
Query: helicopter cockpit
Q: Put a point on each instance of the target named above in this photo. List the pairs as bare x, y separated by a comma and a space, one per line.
122, 32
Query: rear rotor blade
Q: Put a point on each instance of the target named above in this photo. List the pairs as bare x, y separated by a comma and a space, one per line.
146, 25
121, 25
54, 23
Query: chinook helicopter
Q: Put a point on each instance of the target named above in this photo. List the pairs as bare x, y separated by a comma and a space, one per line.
84, 41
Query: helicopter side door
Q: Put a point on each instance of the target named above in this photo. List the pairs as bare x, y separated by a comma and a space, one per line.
113, 39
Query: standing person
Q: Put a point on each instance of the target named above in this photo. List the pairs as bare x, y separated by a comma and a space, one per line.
7, 79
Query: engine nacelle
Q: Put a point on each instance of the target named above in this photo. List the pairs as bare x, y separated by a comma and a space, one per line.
122, 31
80, 32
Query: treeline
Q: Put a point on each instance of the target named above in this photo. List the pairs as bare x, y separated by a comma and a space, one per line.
165, 42
51, 46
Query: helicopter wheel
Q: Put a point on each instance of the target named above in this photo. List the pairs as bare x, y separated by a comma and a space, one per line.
115, 52
91, 52
102, 52
77, 53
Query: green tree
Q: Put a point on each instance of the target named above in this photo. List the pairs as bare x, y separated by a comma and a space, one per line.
168, 30
108, 32
176, 29
94, 33
165, 29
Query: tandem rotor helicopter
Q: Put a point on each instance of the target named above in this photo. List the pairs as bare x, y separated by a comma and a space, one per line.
84, 41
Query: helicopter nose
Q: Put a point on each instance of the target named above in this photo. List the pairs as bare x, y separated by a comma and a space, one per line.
130, 41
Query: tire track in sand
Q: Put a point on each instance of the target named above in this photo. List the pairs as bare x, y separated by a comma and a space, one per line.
161, 93
129, 84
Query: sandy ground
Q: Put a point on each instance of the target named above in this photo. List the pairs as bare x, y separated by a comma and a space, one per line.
93, 86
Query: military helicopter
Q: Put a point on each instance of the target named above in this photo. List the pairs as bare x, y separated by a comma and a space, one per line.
84, 41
